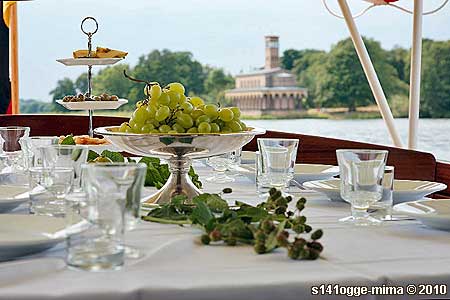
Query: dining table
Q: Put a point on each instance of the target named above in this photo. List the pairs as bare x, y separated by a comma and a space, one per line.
374, 262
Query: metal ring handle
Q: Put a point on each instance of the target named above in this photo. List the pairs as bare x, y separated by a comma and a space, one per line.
96, 26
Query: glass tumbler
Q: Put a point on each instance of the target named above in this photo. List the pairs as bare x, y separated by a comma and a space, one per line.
278, 160
361, 174
66, 156
36, 143
48, 189
101, 247
382, 209
15, 149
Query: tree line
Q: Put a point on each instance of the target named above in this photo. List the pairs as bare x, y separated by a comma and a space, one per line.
336, 78
333, 78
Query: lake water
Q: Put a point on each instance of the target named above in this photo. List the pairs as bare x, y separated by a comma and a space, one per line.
434, 134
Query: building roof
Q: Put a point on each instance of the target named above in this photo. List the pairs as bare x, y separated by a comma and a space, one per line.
260, 72
268, 89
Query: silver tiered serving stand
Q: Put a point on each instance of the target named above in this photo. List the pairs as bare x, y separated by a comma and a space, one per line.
179, 150
90, 106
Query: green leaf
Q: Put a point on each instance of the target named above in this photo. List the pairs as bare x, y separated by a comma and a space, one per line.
256, 214
166, 221
213, 201
114, 156
271, 241
178, 200
164, 171
150, 160
237, 228
68, 140
92, 155
201, 214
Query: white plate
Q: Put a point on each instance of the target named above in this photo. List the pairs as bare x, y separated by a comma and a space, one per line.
434, 213
248, 157
410, 190
331, 188
303, 172
88, 61
308, 172
26, 234
404, 190
12, 196
92, 105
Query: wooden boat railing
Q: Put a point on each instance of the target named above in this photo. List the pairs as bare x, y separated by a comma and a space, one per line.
408, 164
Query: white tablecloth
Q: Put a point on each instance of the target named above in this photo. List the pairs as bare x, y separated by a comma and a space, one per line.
176, 267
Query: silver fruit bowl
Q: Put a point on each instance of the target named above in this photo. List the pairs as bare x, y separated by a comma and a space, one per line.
179, 150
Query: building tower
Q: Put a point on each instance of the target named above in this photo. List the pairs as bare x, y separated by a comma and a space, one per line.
272, 54
267, 91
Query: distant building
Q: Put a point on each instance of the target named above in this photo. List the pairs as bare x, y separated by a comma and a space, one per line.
269, 90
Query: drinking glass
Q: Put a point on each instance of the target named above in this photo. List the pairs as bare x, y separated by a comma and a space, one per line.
235, 157
14, 149
66, 156
133, 201
278, 160
220, 165
361, 173
382, 210
101, 247
262, 180
36, 143
48, 188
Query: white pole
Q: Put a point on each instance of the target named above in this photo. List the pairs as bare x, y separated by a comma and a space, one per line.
371, 75
414, 85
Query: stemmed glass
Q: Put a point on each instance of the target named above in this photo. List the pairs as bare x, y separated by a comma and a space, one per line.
361, 173
220, 165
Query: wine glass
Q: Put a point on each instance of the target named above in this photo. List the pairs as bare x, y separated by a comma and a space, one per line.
220, 164
361, 173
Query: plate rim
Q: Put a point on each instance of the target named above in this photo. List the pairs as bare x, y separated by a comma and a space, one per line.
41, 241
24, 198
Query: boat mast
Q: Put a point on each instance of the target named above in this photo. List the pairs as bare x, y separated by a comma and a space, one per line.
14, 52
416, 66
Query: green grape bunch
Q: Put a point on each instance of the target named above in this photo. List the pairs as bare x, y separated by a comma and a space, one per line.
167, 110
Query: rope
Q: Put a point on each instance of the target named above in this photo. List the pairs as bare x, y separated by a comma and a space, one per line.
364, 11
354, 17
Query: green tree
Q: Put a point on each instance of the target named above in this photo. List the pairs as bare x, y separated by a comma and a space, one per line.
311, 73
215, 85
435, 88
399, 59
63, 88
81, 83
112, 81
289, 57
346, 83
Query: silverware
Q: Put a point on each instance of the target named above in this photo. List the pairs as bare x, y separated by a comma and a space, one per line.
298, 184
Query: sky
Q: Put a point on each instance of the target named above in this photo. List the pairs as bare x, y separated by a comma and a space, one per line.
223, 33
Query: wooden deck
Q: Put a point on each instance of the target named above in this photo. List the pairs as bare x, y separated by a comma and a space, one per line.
313, 149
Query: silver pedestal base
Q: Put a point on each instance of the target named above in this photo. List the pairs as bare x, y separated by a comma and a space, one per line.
179, 183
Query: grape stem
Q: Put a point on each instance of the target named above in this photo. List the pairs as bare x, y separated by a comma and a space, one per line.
138, 80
